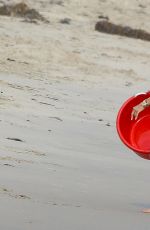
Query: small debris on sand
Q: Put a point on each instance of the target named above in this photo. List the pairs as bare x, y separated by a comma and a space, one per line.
10, 59
23, 196
128, 84
142, 6
103, 17
21, 10
9, 165
111, 28
57, 2
14, 139
27, 20
57, 118
65, 21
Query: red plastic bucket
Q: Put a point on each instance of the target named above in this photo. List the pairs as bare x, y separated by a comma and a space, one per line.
135, 134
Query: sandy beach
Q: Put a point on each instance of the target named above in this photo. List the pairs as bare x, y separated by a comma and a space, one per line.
62, 164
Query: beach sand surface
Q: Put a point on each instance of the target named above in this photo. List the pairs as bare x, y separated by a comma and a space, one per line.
62, 163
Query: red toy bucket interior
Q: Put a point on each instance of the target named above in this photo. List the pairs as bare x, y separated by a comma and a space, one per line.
135, 134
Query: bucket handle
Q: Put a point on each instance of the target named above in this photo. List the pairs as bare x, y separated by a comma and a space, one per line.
139, 94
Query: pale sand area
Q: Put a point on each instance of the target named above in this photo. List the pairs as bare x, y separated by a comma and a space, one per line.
61, 87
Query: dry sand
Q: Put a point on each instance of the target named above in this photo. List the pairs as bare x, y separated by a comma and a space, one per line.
61, 87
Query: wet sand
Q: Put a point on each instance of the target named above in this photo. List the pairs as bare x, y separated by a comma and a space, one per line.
61, 161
